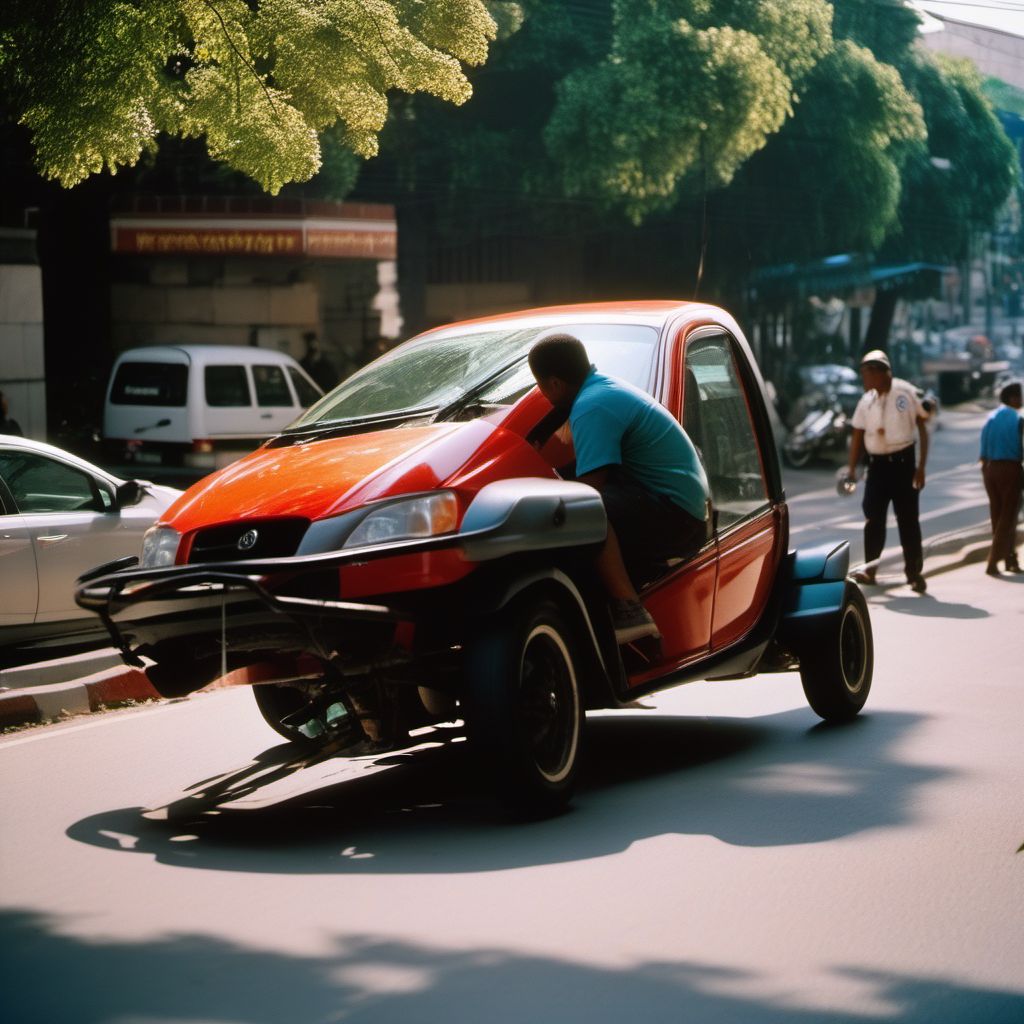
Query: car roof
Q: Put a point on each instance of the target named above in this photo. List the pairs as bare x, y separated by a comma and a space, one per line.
654, 312
42, 448
203, 354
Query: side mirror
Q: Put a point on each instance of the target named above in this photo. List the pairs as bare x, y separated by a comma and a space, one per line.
130, 492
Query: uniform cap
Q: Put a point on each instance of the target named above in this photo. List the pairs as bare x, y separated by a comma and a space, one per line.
876, 355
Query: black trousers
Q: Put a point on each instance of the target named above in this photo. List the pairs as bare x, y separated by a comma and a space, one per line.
891, 479
651, 529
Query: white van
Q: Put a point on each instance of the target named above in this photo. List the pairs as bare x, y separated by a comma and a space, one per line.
200, 406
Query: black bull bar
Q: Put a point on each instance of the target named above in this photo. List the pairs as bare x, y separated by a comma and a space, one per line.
179, 615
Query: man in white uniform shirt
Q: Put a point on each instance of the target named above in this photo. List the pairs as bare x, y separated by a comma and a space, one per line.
887, 421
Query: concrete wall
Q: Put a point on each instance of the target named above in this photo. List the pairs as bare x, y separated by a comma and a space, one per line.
22, 377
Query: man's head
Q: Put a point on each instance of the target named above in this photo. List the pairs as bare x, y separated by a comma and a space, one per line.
312, 345
560, 365
3, 406
875, 370
1011, 395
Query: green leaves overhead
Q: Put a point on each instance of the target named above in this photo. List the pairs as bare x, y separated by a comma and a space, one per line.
96, 83
688, 91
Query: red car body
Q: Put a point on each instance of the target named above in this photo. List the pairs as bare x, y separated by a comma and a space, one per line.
510, 535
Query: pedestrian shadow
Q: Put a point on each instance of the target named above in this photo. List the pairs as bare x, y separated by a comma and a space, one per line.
930, 606
370, 979
764, 782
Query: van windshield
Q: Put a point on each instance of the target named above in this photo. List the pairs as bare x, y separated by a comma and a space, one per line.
436, 371
164, 384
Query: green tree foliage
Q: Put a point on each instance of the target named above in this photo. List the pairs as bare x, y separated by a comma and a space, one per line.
962, 173
96, 83
687, 91
831, 180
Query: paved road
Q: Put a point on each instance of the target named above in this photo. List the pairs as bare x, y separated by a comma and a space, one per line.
727, 859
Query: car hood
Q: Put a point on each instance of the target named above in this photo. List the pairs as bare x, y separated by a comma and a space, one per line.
321, 478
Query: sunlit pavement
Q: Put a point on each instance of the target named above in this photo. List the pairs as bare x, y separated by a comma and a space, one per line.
727, 859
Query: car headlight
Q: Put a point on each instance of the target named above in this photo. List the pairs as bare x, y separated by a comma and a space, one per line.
159, 546
424, 516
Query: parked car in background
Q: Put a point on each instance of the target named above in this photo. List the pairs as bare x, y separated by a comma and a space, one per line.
199, 406
411, 551
59, 517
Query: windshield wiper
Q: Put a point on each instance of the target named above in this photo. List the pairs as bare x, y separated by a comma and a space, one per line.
470, 395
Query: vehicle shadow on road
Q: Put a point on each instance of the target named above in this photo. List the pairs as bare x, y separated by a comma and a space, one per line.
364, 978
762, 782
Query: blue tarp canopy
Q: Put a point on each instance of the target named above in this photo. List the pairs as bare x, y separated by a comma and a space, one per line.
836, 274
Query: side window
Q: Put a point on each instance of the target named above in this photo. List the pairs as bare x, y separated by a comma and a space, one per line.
271, 387
226, 387
716, 416
40, 484
306, 392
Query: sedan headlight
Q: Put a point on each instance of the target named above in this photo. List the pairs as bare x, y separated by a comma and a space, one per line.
159, 546
424, 516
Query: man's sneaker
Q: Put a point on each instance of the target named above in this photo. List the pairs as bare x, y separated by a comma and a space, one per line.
866, 577
918, 585
632, 621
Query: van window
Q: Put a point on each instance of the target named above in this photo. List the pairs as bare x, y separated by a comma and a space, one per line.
164, 384
271, 387
306, 392
227, 387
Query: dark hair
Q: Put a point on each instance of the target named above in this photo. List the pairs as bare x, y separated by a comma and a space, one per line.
308, 336
1010, 391
561, 356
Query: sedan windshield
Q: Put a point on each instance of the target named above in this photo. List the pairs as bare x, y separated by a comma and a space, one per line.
436, 372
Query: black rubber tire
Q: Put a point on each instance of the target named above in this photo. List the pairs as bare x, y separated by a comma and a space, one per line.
836, 671
276, 703
523, 708
797, 457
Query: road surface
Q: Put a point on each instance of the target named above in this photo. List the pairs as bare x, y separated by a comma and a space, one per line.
728, 859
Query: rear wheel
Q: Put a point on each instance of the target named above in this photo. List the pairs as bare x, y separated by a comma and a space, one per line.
797, 454
837, 668
523, 709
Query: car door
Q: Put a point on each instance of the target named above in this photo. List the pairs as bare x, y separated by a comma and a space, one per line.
274, 397
746, 521
227, 404
71, 518
19, 583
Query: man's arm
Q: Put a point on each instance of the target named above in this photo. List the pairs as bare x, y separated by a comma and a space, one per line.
922, 433
856, 450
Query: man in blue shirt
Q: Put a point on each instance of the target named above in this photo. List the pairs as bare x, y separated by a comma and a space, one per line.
634, 452
1001, 452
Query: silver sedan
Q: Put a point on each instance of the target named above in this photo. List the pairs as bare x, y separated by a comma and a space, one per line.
59, 517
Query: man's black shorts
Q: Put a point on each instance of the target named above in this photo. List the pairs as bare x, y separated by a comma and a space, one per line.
651, 528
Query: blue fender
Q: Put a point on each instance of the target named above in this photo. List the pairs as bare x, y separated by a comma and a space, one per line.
817, 586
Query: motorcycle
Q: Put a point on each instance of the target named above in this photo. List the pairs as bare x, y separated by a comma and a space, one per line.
821, 432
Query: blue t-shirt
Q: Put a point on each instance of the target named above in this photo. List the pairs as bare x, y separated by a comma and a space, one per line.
616, 424
1000, 437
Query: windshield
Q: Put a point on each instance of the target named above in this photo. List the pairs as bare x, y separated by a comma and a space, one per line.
436, 372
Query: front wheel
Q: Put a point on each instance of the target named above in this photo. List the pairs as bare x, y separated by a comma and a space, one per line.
523, 710
836, 671
276, 703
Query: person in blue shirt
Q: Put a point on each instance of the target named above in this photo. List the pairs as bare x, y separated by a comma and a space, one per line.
647, 470
1002, 448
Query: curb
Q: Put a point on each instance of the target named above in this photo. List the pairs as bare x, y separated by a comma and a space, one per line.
36, 705
33, 705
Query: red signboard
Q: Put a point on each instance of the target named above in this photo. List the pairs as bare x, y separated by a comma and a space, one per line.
344, 241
